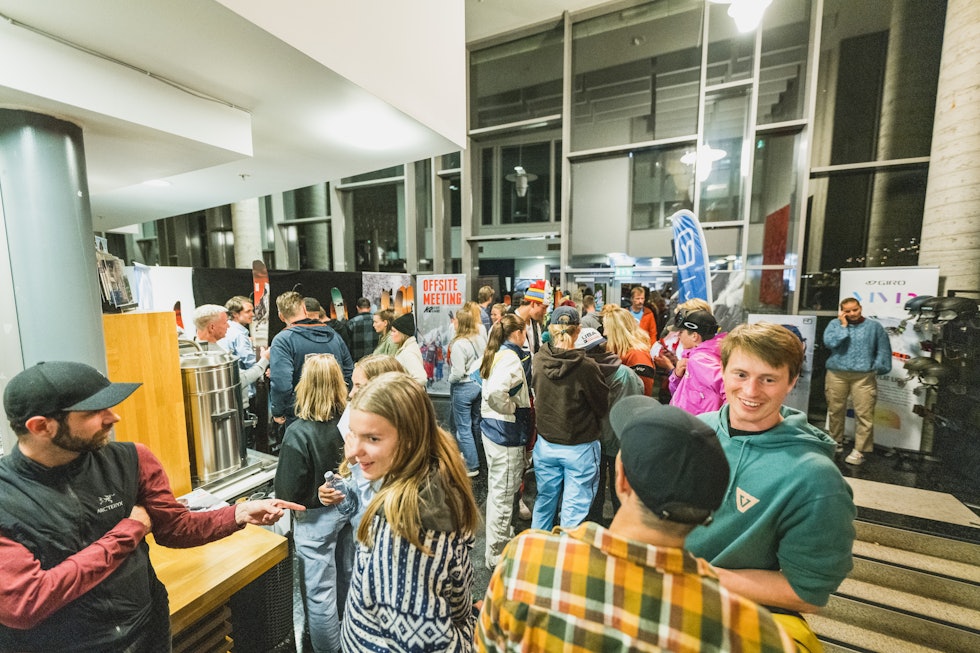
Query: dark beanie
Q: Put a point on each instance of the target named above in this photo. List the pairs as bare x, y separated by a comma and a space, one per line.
405, 324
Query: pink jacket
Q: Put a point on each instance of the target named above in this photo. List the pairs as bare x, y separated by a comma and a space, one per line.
700, 390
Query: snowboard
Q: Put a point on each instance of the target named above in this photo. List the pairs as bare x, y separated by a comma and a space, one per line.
339, 310
408, 298
260, 300
180, 320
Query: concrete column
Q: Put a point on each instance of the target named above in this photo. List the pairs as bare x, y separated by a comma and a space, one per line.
911, 66
951, 222
246, 224
49, 287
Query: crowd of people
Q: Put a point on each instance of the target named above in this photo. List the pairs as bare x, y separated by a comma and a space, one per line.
730, 518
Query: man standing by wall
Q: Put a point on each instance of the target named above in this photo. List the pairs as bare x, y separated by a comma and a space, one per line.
236, 340
363, 336
859, 350
74, 511
783, 534
633, 586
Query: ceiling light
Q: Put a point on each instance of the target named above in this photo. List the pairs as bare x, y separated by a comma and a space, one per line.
702, 159
521, 179
747, 14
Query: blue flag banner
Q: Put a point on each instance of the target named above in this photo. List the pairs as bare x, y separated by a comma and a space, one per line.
691, 257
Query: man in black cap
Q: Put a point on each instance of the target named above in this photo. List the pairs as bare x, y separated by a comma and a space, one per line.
631, 587
74, 511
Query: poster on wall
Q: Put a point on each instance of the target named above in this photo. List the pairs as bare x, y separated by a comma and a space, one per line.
387, 290
440, 298
806, 330
883, 293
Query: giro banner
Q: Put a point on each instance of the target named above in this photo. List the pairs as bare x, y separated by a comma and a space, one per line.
440, 297
691, 257
883, 293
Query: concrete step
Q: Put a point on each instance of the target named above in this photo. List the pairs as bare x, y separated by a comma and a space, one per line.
904, 616
839, 637
927, 576
931, 545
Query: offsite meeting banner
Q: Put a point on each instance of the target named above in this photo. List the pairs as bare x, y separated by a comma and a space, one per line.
883, 293
440, 298
806, 325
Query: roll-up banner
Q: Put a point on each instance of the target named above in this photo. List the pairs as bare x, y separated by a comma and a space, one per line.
806, 330
691, 257
440, 297
883, 293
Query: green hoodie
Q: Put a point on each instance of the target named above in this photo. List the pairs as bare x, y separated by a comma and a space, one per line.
787, 507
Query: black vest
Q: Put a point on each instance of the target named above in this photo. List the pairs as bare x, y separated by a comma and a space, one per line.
56, 513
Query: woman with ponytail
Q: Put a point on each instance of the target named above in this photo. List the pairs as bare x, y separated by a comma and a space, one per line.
506, 411
413, 576
570, 399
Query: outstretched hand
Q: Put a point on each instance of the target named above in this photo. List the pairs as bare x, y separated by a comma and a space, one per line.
263, 511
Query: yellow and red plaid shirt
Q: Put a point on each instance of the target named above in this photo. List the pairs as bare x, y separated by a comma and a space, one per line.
586, 590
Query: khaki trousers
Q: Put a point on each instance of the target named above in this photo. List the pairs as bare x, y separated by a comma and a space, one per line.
862, 387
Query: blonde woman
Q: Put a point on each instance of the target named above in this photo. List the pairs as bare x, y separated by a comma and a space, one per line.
381, 321
312, 446
626, 340
570, 399
465, 354
413, 576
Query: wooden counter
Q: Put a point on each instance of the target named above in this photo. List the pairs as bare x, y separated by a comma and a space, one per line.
201, 579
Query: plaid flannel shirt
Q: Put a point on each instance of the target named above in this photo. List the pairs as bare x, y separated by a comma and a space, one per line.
363, 336
586, 589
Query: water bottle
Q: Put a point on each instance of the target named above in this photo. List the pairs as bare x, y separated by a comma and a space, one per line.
349, 503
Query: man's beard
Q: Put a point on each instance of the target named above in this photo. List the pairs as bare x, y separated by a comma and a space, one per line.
69, 442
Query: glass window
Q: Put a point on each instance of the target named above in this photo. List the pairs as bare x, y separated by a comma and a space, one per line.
315, 244
718, 161
769, 291
451, 161
730, 52
518, 80
526, 195
488, 172
774, 218
662, 185
782, 69
869, 218
376, 217
874, 102
636, 75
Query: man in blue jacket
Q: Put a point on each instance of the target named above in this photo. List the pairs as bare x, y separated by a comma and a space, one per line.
783, 534
302, 337
859, 351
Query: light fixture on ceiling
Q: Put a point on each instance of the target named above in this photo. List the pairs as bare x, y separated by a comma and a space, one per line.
703, 159
521, 179
747, 14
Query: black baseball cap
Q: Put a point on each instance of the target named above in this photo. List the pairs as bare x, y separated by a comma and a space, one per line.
56, 386
672, 460
701, 322
565, 315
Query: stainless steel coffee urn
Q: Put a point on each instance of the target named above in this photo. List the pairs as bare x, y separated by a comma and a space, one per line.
213, 413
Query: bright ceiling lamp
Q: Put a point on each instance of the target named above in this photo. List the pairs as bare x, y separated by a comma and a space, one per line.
703, 159
521, 179
747, 14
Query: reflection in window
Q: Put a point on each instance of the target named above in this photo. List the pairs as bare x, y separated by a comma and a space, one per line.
377, 218
730, 53
315, 244
662, 185
726, 112
516, 81
636, 75
526, 197
782, 69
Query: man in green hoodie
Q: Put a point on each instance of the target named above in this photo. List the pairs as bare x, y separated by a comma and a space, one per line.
783, 535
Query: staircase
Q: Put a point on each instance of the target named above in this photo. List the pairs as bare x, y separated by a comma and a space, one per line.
908, 593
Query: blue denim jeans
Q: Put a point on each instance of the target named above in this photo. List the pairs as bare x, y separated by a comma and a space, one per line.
569, 470
325, 573
465, 400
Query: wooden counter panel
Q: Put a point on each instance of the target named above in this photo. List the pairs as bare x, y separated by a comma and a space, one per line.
203, 578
